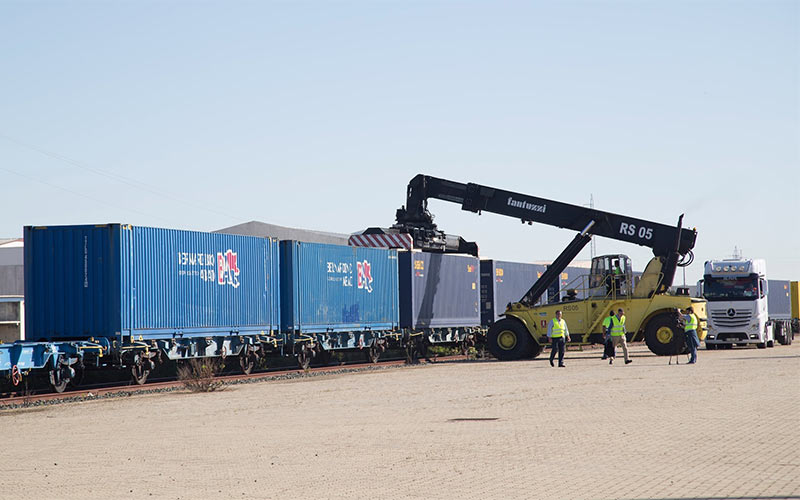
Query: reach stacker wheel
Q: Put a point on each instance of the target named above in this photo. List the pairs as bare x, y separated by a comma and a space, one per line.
664, 336
508, 339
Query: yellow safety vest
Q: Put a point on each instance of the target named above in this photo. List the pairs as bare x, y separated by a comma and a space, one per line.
617, 326
606, 323
558, 328
691, 324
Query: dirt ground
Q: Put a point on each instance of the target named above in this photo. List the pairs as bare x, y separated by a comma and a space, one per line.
726, 427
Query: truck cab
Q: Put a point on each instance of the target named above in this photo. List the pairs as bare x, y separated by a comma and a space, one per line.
736, 291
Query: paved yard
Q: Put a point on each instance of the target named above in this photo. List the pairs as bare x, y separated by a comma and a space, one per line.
724, 428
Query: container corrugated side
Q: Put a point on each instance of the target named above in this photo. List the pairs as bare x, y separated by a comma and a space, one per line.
439, 290
334, 288
779, 300
125, 280
504, 282
72, 282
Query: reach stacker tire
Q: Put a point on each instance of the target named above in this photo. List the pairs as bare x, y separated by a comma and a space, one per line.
508, 339
664, 336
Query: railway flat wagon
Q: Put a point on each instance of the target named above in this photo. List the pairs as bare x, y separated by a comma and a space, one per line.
440, 297
116, 294
336, 297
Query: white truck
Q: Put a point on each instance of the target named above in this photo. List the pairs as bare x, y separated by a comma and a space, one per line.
739, 309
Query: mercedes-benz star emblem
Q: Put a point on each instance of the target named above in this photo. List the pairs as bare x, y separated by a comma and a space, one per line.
731, 312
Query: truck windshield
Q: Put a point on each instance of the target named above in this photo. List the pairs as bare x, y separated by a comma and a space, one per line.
730, 288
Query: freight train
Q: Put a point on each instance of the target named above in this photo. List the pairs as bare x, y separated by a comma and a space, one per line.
115, 296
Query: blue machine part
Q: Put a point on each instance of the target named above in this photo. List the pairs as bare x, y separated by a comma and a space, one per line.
25, 356
340, 296
439, 290
118, 281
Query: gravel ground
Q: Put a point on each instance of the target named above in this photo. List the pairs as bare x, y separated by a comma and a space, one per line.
726, 427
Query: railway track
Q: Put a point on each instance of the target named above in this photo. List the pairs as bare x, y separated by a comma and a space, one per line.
171, 384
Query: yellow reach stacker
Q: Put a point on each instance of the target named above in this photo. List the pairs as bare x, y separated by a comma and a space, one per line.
652, 313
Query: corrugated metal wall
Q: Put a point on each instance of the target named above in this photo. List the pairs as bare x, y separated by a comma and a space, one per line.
72, 286
779, 301
337, 288
439, 290
104, 280
503, 282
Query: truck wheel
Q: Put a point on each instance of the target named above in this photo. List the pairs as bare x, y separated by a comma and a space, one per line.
663, 335
508, 339
761, 345
770, 343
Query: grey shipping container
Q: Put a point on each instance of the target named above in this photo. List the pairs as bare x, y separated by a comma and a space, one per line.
502, 283
114, 280
439, 290
779, 301
329, 289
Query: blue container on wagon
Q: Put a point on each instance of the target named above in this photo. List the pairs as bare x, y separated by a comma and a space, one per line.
502, 283
115, 280
439, 290
327, 289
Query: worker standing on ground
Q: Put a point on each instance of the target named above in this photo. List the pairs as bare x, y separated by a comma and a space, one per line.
559, 335
690, 332
618, 332
608, 345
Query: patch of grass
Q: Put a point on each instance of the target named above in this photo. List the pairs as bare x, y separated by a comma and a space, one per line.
199, 375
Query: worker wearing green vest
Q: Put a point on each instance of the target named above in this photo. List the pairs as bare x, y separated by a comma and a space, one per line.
559, 335
618, 332
690, 332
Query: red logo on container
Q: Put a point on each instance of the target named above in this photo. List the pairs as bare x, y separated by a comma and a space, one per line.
364, 276
227, 269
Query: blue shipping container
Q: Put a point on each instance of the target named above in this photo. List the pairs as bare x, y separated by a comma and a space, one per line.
439, 290
112, 279
334, 288
502, 283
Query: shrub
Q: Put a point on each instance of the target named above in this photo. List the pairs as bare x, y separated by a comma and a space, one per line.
199, 375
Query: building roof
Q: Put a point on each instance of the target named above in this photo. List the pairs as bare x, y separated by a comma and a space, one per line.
266, 230
10, 242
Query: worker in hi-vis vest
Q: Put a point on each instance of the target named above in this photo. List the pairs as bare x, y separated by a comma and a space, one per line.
618, 332
559, 335
690, 332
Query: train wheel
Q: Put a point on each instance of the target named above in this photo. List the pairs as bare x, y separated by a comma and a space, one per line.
303, 359
373, 353
247, 360
411, 352
664, 336
140, 369
59, 374
508, 339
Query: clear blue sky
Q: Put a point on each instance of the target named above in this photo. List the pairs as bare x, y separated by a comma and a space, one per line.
202, 115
